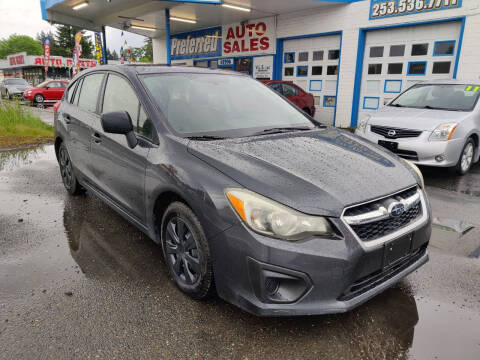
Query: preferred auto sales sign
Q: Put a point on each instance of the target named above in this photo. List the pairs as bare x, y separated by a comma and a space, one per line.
248, 38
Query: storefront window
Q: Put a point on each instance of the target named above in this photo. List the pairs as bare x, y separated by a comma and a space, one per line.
244, 65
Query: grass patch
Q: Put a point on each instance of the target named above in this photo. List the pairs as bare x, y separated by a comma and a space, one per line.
18, 126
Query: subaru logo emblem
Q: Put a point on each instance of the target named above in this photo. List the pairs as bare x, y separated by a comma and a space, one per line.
391, 133
396, 209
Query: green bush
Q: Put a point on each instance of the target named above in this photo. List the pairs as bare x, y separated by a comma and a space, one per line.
16, 120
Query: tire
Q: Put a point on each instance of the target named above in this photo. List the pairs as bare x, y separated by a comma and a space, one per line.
38, 99
7, 95
186, 251
466, 158
69, 179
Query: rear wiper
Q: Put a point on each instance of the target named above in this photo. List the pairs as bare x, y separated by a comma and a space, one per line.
278, 130
205, 137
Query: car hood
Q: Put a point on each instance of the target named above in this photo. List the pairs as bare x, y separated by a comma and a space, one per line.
317, 172
415, 119
19, 88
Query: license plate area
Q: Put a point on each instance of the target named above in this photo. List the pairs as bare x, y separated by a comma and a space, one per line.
390, 145
396, 250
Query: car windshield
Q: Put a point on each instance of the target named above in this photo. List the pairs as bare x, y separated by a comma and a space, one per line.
16, 82
224, 104
451, 97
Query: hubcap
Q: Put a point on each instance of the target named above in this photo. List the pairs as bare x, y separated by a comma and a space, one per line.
467, 157
65, 168
39, 99
182, 251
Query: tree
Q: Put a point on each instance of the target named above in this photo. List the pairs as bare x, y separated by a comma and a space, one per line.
112, 55
65, 38
18, 43
55, 50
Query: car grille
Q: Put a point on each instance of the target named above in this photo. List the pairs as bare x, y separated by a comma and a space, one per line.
372, 228
376, 278
394, 133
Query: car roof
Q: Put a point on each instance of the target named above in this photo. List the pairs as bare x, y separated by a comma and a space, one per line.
157, 69
452, 81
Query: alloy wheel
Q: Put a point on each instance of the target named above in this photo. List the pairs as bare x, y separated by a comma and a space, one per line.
182, 251
65, 168
467, 157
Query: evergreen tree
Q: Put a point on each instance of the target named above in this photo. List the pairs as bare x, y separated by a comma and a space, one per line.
65, 38
114, 56
54, 48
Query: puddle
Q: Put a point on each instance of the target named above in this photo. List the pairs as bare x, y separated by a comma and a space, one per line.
12, 159
454, 225
468, 184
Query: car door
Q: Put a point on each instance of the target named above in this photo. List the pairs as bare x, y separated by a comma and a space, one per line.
118, 170
48, 90
79, 115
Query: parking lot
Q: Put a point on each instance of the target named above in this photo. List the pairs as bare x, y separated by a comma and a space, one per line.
80, 282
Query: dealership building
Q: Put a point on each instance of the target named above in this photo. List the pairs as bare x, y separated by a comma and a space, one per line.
353, 56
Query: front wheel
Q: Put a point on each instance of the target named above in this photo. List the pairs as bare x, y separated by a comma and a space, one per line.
66, 171
38, 99
466, 158
186, 251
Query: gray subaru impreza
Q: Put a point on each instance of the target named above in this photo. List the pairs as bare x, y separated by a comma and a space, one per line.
247, 195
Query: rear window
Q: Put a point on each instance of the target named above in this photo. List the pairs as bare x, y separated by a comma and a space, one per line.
451, 97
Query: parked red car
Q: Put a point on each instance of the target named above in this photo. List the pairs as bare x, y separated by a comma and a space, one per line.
49, 91
294, 93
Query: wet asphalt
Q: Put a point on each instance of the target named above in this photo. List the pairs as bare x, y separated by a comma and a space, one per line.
78, 282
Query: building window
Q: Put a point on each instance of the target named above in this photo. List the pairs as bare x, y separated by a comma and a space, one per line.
371, 103
303, 56
315, 85
302, 70
396, 68
289, 58
392, 86
317, 70
417, 68
318, 55
376, 51
397, 50
419, 49
333, 54
329, 101
332, 70
288, 71
441, 67
316, 100
443, 48
374, 69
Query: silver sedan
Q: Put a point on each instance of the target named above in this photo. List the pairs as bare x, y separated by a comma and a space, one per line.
434, 123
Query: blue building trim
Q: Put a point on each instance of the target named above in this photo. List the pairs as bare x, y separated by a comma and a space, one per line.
416, 62
371, 97
167, 36
459, 47
104, 45
444, 42
338, 77
391, 92
361, 54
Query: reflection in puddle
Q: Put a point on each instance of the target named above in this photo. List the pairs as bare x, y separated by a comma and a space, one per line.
12, 159
468, 184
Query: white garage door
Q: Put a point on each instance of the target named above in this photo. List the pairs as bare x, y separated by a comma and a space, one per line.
312, 64
398, 58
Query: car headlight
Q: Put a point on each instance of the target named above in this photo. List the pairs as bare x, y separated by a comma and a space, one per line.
362, 124
443, 132
419, 173
272, 219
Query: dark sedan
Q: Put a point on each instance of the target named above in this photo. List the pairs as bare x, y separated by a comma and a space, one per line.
248, 196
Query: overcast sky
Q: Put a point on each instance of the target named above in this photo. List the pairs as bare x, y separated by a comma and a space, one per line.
24, 17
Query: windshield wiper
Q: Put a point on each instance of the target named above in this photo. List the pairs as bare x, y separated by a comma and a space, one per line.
396, 105
205, 137
279, 130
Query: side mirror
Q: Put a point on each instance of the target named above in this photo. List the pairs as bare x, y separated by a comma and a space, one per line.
47, 87
119, 122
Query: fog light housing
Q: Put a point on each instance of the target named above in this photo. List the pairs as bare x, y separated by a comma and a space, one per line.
274, 284
439, 158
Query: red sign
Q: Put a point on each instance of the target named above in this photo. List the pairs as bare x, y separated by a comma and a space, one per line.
16, 60
256, 37
60, 62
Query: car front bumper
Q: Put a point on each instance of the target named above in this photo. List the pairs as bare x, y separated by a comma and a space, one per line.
428, 153
311, 277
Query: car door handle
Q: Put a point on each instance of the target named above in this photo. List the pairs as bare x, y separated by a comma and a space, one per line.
97, 139
67, 119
